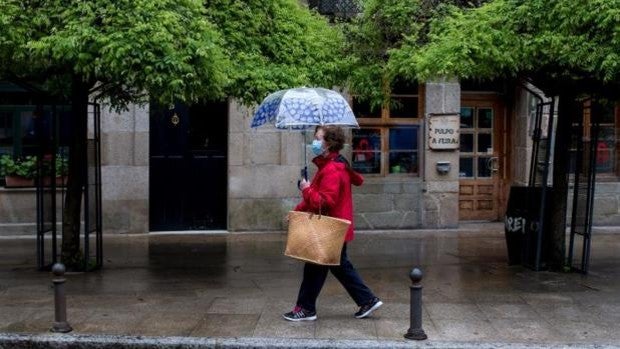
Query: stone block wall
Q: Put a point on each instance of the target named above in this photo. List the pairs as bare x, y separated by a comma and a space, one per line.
521, 138
263, 168
125, 169
388, 204
440, 207
264, 165
606, 209
18, 211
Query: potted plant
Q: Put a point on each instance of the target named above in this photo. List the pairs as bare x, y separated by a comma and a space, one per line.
61, 169
18, 172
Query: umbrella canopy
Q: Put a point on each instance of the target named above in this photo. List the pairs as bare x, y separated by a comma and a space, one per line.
302, 108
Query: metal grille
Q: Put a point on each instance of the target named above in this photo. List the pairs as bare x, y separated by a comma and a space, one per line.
51, 191
583, 167
93, 256
45, 129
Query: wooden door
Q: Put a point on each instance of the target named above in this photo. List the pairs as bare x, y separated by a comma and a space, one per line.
481, 159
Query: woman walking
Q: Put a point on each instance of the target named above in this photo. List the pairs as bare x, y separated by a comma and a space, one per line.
330, 193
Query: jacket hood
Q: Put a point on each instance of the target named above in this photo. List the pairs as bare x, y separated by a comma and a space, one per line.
320, 161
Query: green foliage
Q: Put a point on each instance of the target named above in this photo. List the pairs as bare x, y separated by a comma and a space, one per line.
165, 47
61, 166
380, 33
170, 50
274, 45
27, 166
23, 167
381, 27
561, 40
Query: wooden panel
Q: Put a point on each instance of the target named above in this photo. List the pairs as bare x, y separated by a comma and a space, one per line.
479, 198
485, 205
486, 189
466, 204
466, 190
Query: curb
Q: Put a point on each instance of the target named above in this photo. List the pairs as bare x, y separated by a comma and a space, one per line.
63, 341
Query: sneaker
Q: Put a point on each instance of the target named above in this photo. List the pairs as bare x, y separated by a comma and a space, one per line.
368, 308
300, 314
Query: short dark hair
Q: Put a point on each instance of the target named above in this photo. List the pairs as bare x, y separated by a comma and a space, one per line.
334, 137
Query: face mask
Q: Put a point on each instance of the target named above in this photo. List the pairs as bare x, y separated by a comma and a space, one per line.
317, 147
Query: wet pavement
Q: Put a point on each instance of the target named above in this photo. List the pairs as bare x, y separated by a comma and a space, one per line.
238, 285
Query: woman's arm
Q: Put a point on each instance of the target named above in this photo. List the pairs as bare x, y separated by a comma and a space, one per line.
324, 196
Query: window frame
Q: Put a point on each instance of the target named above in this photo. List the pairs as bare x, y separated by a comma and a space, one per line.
614, 174
385, 122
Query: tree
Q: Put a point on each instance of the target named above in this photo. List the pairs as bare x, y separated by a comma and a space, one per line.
567, 48
384, 27
113, 51
120, 52
123, 52
274, 45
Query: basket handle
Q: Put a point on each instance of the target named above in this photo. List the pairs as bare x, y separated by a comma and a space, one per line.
320, 209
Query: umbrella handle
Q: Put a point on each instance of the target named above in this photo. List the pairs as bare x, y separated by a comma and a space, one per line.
304, 175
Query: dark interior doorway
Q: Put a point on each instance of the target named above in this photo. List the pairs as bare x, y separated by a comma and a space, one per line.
188, 167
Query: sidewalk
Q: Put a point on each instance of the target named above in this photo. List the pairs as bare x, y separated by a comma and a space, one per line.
238, 285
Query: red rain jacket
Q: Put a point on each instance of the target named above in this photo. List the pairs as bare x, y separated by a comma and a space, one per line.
330, 190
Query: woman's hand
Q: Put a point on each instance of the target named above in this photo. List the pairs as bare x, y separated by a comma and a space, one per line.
304, 184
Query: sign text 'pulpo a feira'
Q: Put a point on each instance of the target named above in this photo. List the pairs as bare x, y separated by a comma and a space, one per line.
443, 131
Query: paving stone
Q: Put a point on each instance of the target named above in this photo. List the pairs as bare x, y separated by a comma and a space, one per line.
239, 284
226, 325
464, 330
346, 327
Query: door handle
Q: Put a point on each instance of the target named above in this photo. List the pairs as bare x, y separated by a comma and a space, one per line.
493, 164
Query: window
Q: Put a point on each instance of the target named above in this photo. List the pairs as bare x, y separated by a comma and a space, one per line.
387, 142
476, 142
17, 133
607, 145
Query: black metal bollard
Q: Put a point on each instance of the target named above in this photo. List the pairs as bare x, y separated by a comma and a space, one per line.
60, 300
415, 331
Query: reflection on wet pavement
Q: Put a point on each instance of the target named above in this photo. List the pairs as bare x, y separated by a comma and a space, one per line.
240, 284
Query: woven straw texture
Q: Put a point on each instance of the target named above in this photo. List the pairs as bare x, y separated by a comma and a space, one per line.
315, 238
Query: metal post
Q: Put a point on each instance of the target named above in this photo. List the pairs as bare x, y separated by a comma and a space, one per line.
60, 301
415, 331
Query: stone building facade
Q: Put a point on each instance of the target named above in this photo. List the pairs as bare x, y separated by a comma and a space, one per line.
262, 167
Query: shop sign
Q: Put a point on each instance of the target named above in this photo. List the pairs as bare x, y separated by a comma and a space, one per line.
443, 131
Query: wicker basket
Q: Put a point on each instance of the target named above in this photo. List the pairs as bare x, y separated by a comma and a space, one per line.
315, 238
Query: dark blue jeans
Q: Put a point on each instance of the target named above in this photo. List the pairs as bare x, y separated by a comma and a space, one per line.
315, 275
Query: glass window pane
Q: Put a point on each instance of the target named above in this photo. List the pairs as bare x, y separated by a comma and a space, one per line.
363, 109
605, 150
467, 142
367, 150
484, 167
27, 133
404, 87
6, 133
403, 162
404, 107
485, 144
607, 114
485, 118
466, 167
404, 138
467, 117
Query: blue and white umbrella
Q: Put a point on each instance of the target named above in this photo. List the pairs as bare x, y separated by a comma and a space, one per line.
302, 108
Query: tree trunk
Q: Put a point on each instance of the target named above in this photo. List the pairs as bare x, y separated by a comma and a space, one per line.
558, 204
71, 254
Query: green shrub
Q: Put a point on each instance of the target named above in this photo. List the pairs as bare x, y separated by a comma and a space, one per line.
24, 167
